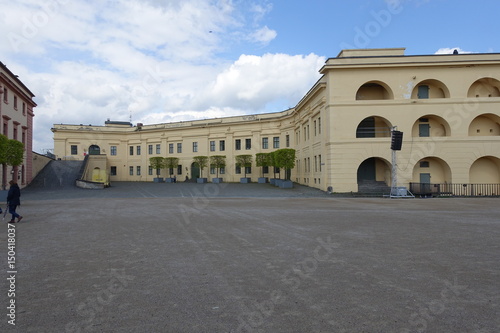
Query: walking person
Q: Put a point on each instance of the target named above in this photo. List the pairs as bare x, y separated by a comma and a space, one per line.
14, 200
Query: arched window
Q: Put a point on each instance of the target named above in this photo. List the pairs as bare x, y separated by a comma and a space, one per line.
373, 127
374, 90
94, 150
429, 89
486, 87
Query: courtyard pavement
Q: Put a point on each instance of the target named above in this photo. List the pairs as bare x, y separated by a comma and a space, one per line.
145, 257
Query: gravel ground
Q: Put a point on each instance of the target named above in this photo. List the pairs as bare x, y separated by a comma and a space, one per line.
145, 257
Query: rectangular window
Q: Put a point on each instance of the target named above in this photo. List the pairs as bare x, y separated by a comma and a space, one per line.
238, 170
222, 170
179, 169
237, 144
195, 147
113, 150
248, 144
74, 150
319, 163
222, 145
24, 109
265, 143
212, 145
138, 150
287, 138
276, 142
113, 171
5, 95
319, 125
131, 150
131, 170
150, 170
138, 170
150, 149
424, 130
179, 148
15, 102
315, 133
212, 170
158, 149
265, 169
170, 148
423, 92
248, 170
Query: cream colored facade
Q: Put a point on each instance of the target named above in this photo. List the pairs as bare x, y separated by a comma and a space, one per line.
447, 106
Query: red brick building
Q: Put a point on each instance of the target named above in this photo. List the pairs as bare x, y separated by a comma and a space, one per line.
16, 116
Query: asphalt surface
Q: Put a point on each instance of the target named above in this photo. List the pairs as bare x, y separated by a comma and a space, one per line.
144, 257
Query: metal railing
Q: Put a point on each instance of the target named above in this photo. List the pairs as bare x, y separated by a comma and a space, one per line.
455, 190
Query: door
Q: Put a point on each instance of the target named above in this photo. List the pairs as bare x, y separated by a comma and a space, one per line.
423, 92
366, 170
424, 130
425, 183
195, 171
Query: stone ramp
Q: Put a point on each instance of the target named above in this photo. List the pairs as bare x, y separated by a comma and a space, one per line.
57, 175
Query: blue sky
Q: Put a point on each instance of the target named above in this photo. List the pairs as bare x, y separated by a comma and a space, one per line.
171, 60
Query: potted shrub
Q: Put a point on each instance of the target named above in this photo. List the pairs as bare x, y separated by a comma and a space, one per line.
171, 163
285, 158
157, 163
217, 162
262, 160
272, 163
244, 161
202, 162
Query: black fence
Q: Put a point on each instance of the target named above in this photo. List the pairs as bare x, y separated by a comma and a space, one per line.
455, 190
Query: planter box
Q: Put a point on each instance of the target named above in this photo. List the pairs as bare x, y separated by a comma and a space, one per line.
216, 180
170, 180
245, 180
272, 181
158, 180
286, 184
278, 182
262, 180
201, 180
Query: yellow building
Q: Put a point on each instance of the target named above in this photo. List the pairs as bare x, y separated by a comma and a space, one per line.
447, 106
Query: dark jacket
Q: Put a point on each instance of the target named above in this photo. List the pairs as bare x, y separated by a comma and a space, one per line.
14, 195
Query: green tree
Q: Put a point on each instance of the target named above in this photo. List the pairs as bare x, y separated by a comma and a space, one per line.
262, 160
285, 158
11, 153
218, 162
244, 161
3, 158
272, 162
157, 163
202, 162
171, 163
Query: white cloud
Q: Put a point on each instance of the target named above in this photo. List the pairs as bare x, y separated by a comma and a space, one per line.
448, 50
157, 60
263, 35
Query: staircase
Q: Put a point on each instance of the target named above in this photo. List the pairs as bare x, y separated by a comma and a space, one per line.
372, 188
57, 175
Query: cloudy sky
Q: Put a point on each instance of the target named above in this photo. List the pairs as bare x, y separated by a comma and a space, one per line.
170, 60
